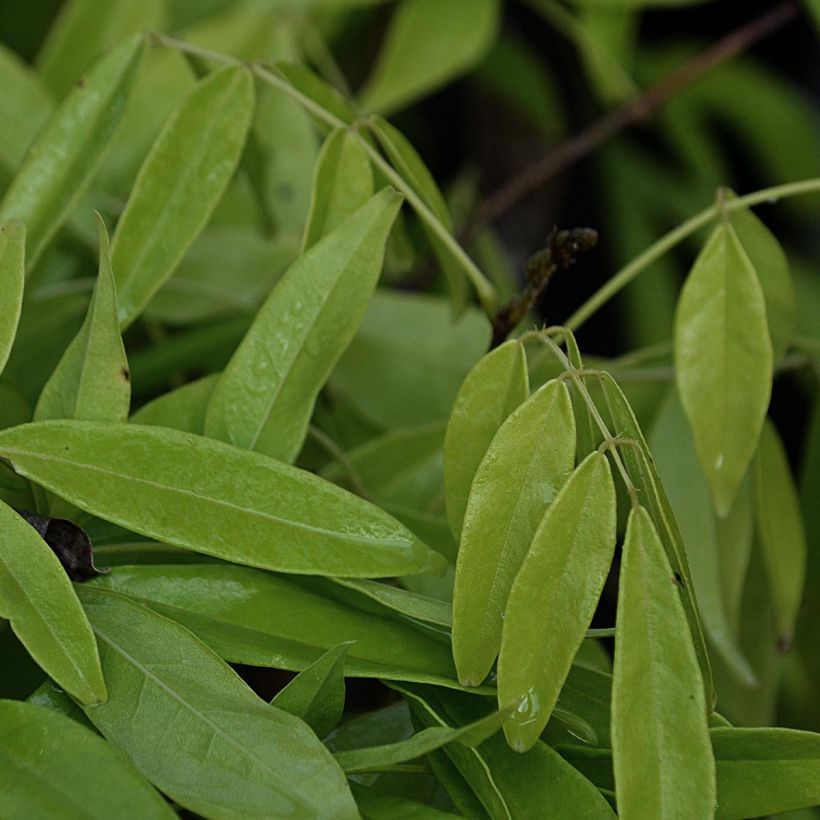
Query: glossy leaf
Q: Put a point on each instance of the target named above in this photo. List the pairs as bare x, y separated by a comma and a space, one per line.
421, 743
12, 275
261, 619
772, 269
495, 387
92, 380
179, 185
663, 761
182, 409
765, 771
405, 159
38, 599
780, 530
265, 397
68, 150
226, 502
554, 597
232, 754
317, 694
427, 44
723, 361
527, 462
342, 183
52, 767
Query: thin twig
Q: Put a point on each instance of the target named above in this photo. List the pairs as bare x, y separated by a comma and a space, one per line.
634, 111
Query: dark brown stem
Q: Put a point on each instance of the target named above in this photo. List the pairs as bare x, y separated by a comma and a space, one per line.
634, 111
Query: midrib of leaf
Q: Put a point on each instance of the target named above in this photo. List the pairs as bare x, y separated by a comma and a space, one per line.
163, 213
342, 536
174, 695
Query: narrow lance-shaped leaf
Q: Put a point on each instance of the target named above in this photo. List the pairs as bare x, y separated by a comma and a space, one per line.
495, 387
12, 275
664, 760
317, 694
525, 465
780, 529
179, 185
226, 502
50, 766
233, 755
182, 409
765, 771
66, 153
265, 397
554, 597
92, 380
38, 599
342, 183
723, 361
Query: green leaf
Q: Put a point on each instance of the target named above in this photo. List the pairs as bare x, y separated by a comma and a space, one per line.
376, 805
317, 694
226, 502
181, 409
428, 43
316, 89
232, 754
526, 464
265, 397
421, 743
12, 276
68, 150
179, 185
406, 378
342, 183
39, 600
92, 380
780, 529
495, 387
536, 784
52, 767
765, 771
772, 269
257, 618
664, 760
405, 159
554, 597
723, 361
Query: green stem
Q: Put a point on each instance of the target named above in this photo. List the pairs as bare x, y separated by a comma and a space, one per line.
629, 272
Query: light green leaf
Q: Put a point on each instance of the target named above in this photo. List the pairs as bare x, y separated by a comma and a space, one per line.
181, 409
780, 529
422, 743
226, 502
405, 159
735, 535
68, 150
641, 469
428, 43
664, 760
12, 276
179, 185
39, 600
317, 694
316, 89
232, 754
772, 270
92, 380
554, 597
52, 767
257, 618
265, 397
412, 377
495, 387
506, 785
765, 771
526, 464
342, 183
723, 361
